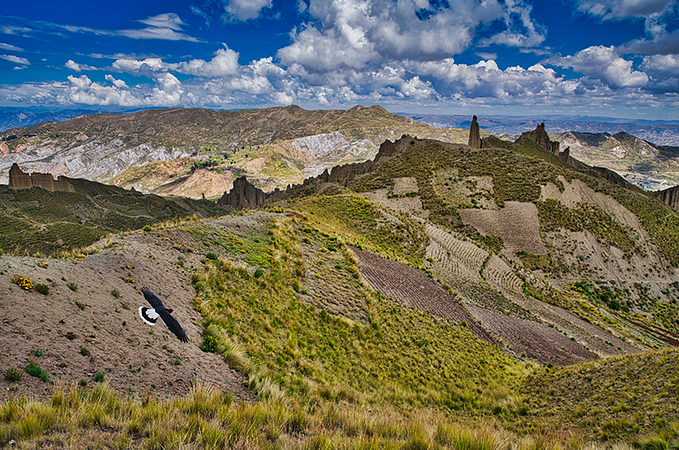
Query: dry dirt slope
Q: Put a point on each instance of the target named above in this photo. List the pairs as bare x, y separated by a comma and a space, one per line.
132, 355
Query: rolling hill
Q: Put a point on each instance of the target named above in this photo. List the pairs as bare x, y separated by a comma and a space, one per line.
437, 296
159, 151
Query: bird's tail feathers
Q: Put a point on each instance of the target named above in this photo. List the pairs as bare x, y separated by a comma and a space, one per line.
148, 315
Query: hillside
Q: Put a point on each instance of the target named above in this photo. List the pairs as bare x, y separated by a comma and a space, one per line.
37, 220
662, 133
438, 296
642, 163
159, 150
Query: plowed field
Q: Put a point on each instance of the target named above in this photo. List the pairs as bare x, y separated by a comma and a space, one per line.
414, 288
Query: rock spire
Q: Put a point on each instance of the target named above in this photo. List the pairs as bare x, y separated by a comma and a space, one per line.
540, 136
474, 134
243, 195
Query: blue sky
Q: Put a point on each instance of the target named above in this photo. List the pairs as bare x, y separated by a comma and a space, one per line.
614, 58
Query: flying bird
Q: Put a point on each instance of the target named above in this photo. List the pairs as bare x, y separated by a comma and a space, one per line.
150, 315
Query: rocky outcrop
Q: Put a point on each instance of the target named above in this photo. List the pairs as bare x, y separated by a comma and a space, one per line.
669, 196
540, 137
474, 134
18, 179
345, 174
243, 195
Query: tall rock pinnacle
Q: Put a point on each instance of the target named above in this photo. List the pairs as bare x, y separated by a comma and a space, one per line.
474, 134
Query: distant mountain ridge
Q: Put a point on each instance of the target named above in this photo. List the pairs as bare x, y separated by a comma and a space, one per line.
196, 152
13, 118
660, 134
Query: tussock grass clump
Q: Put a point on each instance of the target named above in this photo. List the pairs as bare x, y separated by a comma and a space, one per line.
42, 288
12, 374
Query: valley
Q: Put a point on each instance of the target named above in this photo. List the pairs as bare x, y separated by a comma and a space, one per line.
416, 293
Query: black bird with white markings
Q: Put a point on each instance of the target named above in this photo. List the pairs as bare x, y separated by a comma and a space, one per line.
150, 315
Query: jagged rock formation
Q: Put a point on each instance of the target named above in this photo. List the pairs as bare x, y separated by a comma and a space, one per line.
669, 196
243, 195
474, 134
18, 179
539, 136
343, 175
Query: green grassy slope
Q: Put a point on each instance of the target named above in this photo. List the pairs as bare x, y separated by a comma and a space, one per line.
613, 398
40, 221
310, 353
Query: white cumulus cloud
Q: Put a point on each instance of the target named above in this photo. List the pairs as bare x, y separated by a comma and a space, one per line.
605, 64
224, 63
360, 34
243, 10
120, 84
76, 67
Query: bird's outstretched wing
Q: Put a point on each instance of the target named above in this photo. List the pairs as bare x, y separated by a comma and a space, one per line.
164, 314
152, 299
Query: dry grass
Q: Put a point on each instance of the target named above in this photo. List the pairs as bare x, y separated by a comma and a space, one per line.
208, 418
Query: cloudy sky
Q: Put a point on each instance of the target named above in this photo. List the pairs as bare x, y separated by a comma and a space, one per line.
613, 58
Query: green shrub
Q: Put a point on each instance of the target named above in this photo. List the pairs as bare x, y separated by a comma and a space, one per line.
212, 256
13, 375
36, 352
72, 286
258, 273
84, 351
115, 293
209, 344
35, 370
42, 288
493, 243
98, 377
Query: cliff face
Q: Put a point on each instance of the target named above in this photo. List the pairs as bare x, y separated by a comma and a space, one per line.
243, 195
669, 196
18, 179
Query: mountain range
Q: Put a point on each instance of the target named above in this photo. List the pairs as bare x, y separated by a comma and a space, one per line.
662, 134
195, 153
433, 295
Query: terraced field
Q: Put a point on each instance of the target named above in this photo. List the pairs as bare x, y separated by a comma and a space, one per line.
448, 263
532, 340
414, 288
601, 342
465, 252
500, 274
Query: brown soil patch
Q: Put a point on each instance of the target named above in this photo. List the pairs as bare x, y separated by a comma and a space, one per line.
405, 185
517, 223
414, 288
411, 205
538, 341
